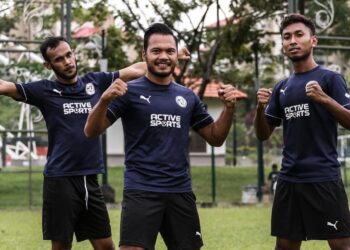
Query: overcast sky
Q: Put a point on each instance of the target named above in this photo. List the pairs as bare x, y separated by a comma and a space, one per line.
195, 14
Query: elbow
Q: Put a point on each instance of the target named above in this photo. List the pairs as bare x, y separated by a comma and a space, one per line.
90, 133
216, 143
262, 137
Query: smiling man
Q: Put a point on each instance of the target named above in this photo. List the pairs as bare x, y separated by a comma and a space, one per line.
310, 201
157, 114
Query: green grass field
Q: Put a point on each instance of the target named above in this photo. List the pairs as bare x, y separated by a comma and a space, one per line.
241, 228
14, 185
224, 227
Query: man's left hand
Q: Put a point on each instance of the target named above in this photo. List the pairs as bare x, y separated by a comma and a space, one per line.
227, 95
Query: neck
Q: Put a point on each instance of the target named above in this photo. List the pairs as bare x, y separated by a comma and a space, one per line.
159, 80
66, 81
304, 66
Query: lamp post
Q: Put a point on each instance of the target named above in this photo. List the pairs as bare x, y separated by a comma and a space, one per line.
261, 177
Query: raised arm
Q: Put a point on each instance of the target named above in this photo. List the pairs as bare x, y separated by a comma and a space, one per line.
262, 129
133, 71
9, 89
216, 132
341, 114
97, 121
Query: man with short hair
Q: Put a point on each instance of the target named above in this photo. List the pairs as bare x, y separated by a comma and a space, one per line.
72, 198
310, 201
157, 114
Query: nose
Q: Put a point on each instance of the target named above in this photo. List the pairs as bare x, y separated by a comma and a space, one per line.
67, 60
292, 39
163, 55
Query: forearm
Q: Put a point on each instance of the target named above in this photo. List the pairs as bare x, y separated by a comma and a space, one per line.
134, 71
9, 89
262, 129
340, 113
221, 127
97, 121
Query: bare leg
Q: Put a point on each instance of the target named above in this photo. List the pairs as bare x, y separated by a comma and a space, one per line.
59, 245
339, 244
283, 244
103, 244
130, 248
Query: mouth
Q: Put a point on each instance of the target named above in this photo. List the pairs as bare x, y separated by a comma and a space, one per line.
293, 50
70, 68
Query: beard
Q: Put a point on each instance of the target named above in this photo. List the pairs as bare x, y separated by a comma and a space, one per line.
65, 76
301, 57
160, 74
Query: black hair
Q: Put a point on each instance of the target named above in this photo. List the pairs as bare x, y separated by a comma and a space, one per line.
157, 28
51, 42
297, 18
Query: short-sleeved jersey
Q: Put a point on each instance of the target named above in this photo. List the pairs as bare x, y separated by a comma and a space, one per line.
156, 121
309, 129
65, 109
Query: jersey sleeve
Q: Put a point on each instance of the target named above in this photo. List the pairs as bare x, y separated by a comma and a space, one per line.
273, 112
200, 117
32, 92
337, 89
116, 108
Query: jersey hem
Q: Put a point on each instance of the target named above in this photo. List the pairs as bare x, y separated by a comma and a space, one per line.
296, 180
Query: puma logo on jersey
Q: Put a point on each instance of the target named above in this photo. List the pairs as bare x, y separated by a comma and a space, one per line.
283, 91
332, 225
145, 98
57, 91
198, 234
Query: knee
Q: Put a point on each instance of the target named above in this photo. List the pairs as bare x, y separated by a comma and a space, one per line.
58, 245
339, 244
282, 244
109, 246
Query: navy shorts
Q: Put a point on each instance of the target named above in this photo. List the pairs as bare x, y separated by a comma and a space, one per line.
74, 204
306, 211
174, 215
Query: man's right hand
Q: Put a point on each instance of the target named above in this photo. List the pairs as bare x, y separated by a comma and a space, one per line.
116, 89
263, 96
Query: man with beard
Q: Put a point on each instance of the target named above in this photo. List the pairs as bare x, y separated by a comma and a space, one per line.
157, 114
72, 199
310, 201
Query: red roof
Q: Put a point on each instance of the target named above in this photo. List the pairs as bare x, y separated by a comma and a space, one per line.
212, 88
86, 30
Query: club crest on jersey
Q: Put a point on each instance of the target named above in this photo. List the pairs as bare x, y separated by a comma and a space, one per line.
181, 101
90, 88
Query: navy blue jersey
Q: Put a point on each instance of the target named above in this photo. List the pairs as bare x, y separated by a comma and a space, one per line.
156, 121
65, 108
309, 129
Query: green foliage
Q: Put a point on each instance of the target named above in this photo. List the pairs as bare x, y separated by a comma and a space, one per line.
117, 58
6, 24
9, 112
97, 13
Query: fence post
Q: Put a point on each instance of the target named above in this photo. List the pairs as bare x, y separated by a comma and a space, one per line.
3, 149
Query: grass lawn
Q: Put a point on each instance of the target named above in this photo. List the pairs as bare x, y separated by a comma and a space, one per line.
241, 228
223, 227
14, 185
